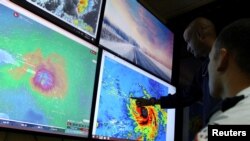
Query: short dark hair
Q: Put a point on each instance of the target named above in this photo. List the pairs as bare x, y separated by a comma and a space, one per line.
236, 39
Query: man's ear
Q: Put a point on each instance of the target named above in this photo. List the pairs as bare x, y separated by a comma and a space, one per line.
200, 34
223, 60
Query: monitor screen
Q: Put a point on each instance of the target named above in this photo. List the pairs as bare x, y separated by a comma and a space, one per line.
132, 32
116, 115
80, 16
47, 75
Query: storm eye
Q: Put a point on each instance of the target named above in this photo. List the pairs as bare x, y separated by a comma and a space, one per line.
144, 112
44, 79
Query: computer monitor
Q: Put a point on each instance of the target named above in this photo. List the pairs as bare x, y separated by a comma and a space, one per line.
80, 17
116, 115
132, 32
47, 75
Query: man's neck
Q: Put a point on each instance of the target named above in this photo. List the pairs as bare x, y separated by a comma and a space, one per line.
235, 85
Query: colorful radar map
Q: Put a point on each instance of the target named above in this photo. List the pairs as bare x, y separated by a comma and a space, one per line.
118, 115
82, 14
46, 78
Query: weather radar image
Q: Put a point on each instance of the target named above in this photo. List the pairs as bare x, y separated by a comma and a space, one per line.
132, 32
46, 75
81, 14
117, 117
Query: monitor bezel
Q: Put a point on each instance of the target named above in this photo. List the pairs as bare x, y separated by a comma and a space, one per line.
172, 77
67, 34
61, 23
97, 94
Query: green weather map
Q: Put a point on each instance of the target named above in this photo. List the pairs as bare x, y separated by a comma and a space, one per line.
46, 78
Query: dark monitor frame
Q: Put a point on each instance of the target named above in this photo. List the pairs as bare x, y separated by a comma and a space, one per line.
174, 78
113, 52
36, 133
96, 92
62, 24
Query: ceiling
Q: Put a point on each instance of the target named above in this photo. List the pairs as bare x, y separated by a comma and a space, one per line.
167, 9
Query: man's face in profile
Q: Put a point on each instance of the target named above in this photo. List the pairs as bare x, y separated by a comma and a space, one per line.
214, 83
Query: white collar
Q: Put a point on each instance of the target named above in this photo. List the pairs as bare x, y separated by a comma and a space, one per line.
245, 92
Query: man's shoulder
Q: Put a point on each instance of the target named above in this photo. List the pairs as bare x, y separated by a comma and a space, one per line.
236, 115
203, 71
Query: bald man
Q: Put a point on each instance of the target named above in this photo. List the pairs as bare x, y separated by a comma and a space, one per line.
199, 35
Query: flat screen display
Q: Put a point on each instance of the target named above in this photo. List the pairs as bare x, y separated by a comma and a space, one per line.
46, 75
80, 16
116, 115
132, 32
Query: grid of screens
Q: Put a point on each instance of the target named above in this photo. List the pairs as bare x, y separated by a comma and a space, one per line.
47, 75
129, 30
116, 115
82, 15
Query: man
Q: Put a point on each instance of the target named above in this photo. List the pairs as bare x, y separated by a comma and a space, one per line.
229, 75
199, 35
